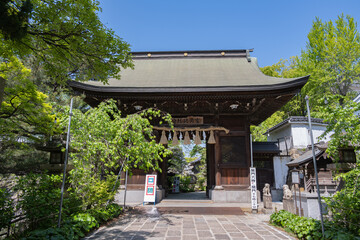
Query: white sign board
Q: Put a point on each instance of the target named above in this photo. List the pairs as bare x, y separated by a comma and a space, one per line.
295, 177
253, 188
150, 188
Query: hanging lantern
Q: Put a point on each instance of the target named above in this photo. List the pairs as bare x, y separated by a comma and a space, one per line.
187, 138
211, 138
163, 139
197, 138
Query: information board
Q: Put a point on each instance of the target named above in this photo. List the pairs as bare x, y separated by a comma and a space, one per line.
176, 185
254, 205
150, 188
295, 177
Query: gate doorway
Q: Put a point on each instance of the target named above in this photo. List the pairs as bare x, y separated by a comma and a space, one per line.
186, 173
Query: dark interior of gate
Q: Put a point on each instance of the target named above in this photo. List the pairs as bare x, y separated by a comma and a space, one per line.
224, 88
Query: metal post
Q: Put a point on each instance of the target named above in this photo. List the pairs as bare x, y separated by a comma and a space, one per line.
117, 178
251, 151
315, 166
65, 163
126, 177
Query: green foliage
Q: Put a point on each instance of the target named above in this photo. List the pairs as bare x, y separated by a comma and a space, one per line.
258, 132
14, 18
332, 58
344, 205
201, 176
24, 110
68, 41
63, 233
103, 140
185, 184
308, 228
342, 116
6, 208
40, 198
177, 162
78, 225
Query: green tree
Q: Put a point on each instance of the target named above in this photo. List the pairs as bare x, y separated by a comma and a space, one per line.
200, 151
332, 57
25, 116
258, 132
103, 141
295, 107
65, 39
176, 162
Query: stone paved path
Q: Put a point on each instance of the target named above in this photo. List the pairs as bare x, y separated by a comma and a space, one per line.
151, 225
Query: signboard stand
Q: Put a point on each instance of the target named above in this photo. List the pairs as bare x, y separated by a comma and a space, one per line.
254, 205
150, 189
176, 185
295, 177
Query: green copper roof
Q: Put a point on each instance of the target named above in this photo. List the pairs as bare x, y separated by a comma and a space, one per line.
207, 69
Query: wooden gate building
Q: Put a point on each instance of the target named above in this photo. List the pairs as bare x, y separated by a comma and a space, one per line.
224, 88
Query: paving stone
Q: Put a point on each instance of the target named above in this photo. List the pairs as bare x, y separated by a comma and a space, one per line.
218, 230
190, 227
237, 235
204, 234
189, 237
202, 227
221, 236
187, 231
172, 233
263, 233
252, 235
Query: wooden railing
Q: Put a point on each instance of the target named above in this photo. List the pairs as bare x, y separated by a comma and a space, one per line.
324, 184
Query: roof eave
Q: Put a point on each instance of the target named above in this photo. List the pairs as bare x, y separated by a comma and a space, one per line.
296, 83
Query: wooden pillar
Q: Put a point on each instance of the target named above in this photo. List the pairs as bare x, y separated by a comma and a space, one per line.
210, 167
218, 185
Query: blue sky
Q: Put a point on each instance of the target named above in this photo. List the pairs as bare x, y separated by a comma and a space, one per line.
275, 29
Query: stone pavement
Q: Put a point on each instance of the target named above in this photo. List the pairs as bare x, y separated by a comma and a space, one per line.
147, 223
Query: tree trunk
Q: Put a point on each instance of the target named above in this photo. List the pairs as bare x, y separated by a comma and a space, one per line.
2, 89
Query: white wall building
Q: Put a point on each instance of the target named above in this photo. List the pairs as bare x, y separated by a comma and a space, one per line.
294, 133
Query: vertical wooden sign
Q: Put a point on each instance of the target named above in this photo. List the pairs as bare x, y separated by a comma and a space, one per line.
254, 205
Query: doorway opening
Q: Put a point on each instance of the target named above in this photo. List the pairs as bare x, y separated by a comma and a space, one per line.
186, 173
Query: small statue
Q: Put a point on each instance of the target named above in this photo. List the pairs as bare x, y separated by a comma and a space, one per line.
266, 190
287, 192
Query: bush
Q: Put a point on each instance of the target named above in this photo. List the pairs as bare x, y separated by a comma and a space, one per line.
40, 198
6, 208
308, 228
344, 205
78, 225
185, 184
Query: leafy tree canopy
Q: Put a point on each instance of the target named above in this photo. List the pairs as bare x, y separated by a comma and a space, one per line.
103, 141
332, 59
24, 112
67, 40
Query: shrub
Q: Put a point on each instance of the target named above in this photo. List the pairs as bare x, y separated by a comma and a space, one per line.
308, 228
344, 205
40, 198
78, 225
185, 184
6, 208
